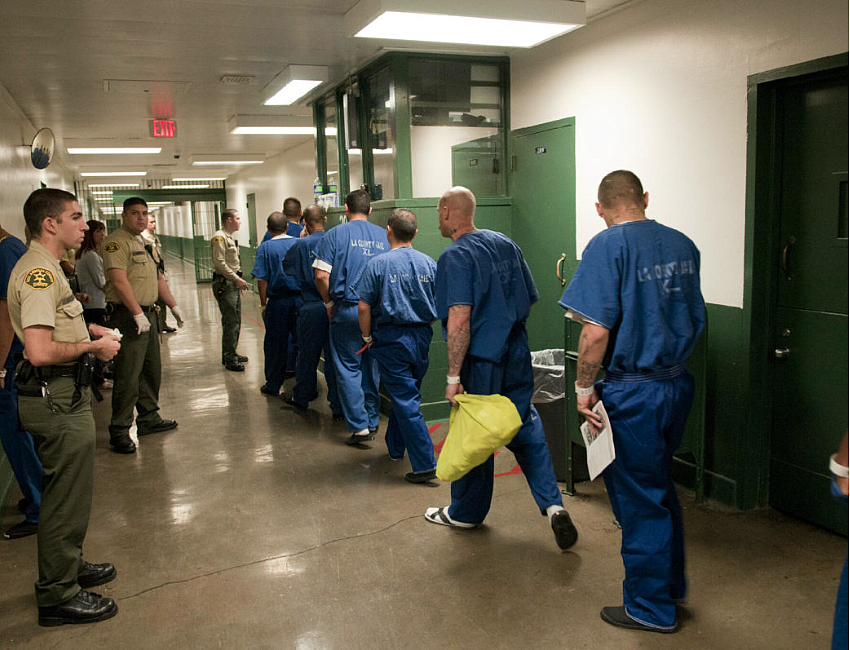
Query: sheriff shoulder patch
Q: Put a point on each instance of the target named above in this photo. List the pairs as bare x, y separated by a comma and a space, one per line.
112, 247
218, 239
39, 279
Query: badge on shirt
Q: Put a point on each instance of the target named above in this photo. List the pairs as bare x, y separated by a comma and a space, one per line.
39, 279
112, 247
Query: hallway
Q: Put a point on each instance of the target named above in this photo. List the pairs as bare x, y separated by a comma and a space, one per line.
254, 526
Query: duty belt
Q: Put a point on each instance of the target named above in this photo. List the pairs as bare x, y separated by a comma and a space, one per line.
32, 381
112, 307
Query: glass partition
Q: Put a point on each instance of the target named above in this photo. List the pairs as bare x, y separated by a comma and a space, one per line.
381, 134
332, 196
351, 120
456, 126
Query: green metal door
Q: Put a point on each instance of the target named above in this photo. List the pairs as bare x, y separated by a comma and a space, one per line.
544, 225
476, 165
810, 338
206, 217
251, 207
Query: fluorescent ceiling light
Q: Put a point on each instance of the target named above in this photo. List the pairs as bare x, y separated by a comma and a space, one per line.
114, 185
222, 178
470, 22
102, 192
114, 174
184, 187
227, 162
113, 150
274, 130
271, 125
293, 83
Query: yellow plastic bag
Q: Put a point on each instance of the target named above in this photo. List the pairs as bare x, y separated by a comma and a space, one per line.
478, 426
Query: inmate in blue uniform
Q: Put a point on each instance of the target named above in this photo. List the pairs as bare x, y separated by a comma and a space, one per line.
312, 325
17, 444
283, 300
486, 270
344, 252
399, 287
640, 281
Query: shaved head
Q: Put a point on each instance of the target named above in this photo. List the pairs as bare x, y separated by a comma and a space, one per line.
314, 218
459, 199
620, 189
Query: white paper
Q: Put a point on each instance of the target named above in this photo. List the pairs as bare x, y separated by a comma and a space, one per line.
600, 446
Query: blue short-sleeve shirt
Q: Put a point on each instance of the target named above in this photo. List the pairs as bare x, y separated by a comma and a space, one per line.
11, 250
640, 281
399, 286
298, 263
268, 266
486, 270
346, 249
293, 229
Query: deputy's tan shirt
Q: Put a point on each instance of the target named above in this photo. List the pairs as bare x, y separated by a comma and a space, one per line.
156, 245
39, 294
126, 251
225, 255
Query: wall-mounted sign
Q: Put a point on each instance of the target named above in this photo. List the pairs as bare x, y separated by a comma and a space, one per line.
539, 150
473, 162
163, 128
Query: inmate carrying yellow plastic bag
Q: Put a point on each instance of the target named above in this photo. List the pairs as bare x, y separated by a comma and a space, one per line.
478, 426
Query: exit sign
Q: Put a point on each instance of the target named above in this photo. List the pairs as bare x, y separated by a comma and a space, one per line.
163, 128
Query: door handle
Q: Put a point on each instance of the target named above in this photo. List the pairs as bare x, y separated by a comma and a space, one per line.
781, 353
783, 263
559, 265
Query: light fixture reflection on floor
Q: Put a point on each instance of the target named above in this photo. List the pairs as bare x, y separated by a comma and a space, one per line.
293, 83
497, 23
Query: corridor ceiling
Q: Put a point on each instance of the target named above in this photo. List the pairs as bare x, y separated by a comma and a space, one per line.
97, 71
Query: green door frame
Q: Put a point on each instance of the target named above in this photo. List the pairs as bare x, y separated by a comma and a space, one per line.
760, 275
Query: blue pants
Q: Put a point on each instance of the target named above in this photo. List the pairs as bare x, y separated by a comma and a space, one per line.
279, 320
402, 356
648, 419
513, 378
313, 340
839, 625
19, 448
356, 374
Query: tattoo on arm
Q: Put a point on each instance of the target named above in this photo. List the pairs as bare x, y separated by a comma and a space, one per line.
457, 338
589, 361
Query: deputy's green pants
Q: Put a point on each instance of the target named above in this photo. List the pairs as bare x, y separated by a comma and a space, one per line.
64, 437
137, 371
230, 304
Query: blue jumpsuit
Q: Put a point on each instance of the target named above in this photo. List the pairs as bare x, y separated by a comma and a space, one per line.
344, 252
283, 296
640, 281
399, 287
486, 270
17, 444
312, 325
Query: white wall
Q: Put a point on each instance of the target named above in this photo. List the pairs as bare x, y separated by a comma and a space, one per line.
431, 155
660, 88
18, 178
288, 174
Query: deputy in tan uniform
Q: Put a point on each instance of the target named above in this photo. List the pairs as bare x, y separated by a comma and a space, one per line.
133, 284
54, 404
228, 286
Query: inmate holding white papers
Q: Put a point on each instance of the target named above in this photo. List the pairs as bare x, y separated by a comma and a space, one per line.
600, 445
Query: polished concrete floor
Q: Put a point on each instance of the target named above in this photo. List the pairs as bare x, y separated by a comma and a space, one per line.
253, 526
